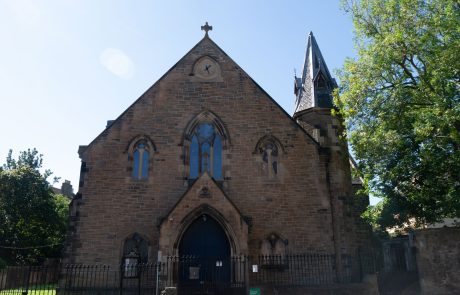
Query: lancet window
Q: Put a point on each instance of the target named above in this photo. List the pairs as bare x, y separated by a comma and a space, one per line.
136, 246
269, 148
205, 151
140, 152
270, 158
141, 161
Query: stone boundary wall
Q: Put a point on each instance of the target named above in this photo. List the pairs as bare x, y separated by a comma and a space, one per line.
438, 260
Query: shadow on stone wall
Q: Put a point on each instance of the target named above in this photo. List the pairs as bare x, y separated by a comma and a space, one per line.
438, 260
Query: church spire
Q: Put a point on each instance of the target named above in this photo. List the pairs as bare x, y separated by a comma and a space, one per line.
314, 87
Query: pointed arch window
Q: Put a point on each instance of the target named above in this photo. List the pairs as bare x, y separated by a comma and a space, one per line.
270, 158
141, 156
205, 152
270, 151
273, 250
136, 245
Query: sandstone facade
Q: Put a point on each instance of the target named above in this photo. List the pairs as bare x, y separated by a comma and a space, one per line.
302, 203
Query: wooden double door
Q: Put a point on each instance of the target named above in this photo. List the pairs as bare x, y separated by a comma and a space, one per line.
204, 259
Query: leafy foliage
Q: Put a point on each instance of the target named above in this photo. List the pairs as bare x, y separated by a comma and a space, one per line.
32, 218
401, 102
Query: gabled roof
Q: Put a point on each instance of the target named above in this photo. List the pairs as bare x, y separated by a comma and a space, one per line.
206, 38
306, 88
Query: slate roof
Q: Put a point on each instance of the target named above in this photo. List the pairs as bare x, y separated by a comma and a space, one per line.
306, 88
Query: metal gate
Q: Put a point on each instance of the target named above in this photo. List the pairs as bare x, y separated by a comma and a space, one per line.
211, 275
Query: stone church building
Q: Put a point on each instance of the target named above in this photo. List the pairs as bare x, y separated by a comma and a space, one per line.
206, 164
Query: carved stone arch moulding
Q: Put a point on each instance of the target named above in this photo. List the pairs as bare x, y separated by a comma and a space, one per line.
269, 150
273, 250
140, 150
137, 244
207, 116
192, 205
275, 237
132, 143
274, 244
198, 212
268, 138
204, 141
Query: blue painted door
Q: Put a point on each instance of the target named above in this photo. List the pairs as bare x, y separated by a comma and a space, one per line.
204, 258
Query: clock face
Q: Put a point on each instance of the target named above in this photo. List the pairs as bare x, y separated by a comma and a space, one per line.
206, 68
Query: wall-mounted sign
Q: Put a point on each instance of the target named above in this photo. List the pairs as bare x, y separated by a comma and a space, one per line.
194, 273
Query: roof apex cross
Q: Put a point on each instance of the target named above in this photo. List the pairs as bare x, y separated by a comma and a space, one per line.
206, 28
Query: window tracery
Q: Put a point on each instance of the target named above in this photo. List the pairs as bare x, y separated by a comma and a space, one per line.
273, 250
269, 149
205, 140
136, 245
205, 152
140, 152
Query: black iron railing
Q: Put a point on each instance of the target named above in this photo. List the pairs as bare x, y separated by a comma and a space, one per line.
189, 274
29, 280
308, 269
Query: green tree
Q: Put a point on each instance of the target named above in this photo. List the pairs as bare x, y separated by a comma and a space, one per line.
400, 101
32, 218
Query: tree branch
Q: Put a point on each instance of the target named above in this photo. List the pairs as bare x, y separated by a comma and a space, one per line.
406, 71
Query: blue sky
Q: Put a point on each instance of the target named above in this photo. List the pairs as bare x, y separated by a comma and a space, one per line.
68, 66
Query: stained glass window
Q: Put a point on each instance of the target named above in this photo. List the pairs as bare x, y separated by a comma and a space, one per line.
140, 161
206, 152
194, 158
217, 163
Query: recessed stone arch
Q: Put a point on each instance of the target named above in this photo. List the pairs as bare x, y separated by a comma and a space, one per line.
131, 144
194, 204
205, 143
269, 151
140, 150
138, 242
274, 244
268, 138
207, 116
205, 209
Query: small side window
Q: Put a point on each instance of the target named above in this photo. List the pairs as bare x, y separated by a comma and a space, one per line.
136, 246
141, 156
269, 151
270, 159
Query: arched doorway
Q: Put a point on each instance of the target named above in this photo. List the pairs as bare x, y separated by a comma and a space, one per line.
204, 252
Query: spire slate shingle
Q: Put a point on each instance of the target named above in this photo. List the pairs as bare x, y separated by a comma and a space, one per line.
314, 88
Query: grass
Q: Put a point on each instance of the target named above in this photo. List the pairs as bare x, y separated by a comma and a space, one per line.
34, 290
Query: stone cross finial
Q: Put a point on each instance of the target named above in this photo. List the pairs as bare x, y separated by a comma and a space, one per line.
206, 28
